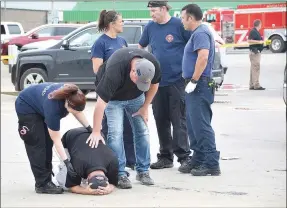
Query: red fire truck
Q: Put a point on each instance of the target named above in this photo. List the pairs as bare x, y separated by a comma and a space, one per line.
234, 25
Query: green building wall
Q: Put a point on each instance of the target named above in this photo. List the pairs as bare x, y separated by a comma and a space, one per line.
84, 12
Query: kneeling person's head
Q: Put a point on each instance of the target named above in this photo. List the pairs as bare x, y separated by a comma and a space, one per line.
142, 72
97, 179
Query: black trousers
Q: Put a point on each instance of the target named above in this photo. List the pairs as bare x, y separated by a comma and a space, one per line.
169, 108
38, 143
127, 137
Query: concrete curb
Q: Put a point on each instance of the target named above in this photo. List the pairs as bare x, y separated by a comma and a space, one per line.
10, 93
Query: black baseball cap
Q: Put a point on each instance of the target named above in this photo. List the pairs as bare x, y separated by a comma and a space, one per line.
158, 4
98, 180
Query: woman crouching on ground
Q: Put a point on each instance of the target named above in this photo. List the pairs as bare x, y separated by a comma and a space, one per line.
39, 109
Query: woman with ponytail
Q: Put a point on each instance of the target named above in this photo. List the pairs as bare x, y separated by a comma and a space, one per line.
111, 24
39, 109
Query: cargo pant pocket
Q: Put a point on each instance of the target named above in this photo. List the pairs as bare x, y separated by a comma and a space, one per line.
27, 132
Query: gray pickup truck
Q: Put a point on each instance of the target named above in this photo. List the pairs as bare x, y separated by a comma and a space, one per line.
68, 59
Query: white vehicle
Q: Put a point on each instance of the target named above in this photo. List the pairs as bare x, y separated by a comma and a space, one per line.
219, 67
218, 42
10, 30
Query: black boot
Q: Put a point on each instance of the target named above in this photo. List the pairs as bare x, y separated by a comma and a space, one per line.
49, 188
186, 165
202, 170
162, 163
131, 166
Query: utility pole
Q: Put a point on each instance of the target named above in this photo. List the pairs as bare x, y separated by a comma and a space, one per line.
4, 16
52, 11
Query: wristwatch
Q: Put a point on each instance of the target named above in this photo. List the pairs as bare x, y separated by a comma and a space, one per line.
89, 128
193, 81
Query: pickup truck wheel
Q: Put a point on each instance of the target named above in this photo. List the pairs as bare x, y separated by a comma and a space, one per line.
32, 76
86, 92
277, 44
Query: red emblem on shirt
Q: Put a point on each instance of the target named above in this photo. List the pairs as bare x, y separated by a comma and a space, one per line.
169, 38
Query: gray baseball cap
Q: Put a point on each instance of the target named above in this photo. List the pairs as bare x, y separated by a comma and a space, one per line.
145, 71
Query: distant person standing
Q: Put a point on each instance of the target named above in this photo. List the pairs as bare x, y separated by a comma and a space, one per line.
256, 47
111, 23
167, 38
198, 60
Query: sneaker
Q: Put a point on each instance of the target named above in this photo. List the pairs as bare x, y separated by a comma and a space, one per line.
202, 170
162, 163
186, 166
144, 178
49, 188
124, 182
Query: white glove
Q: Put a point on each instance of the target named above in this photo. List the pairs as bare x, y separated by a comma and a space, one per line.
190, 87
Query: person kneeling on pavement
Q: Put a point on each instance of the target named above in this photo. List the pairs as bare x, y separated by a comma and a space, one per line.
99, 166
121, 84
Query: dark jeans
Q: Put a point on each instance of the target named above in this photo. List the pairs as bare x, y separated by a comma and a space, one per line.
127, 137
200, 131
169, 108
34, 132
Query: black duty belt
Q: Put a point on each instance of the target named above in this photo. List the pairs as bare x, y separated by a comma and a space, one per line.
201, 78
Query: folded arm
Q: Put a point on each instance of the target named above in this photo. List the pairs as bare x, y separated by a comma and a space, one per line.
88, 191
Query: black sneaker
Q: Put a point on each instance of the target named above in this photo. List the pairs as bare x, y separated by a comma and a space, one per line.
162, 163
124, 182
49, 188
259, 88
202, 170
186, 165
145, 179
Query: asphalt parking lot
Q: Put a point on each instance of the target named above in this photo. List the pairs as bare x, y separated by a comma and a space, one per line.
250, 129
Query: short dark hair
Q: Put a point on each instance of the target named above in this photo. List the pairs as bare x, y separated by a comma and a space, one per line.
106, 17
194, 10
159, 4
256, 23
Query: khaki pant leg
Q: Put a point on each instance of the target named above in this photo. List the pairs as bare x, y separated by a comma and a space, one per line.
255, 69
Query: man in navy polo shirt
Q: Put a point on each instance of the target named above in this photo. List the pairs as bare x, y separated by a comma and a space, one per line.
167, 38
197, 64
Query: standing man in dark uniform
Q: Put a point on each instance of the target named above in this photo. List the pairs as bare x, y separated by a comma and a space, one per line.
198, 60
256, 48
167, 38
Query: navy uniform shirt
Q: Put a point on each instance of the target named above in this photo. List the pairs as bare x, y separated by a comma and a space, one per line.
34, 100
105, 46
201, 38
167, 42
255, 35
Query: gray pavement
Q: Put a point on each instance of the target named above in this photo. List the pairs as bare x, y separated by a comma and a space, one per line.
250, 131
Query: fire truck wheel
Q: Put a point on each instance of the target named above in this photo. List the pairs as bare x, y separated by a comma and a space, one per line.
277, 44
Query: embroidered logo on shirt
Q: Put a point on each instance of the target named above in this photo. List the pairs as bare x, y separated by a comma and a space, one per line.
169, 38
